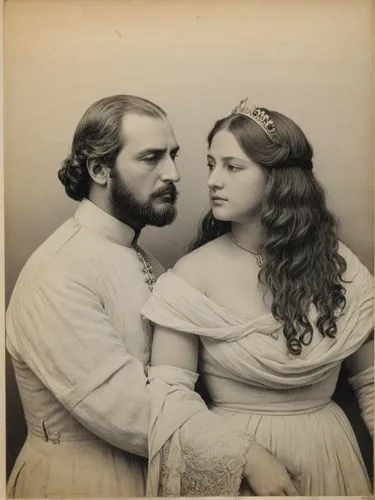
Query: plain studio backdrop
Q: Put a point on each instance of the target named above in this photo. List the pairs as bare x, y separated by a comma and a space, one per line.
311, 60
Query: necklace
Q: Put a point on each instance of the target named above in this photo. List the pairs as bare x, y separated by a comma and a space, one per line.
146, 267
257, 255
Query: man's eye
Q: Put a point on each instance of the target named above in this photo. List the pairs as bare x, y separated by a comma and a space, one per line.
150, 159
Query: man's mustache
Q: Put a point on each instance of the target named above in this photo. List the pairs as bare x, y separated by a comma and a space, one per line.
170, 189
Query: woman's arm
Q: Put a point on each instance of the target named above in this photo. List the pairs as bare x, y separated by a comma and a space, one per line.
174, 349
363, 358
203, 432
361, 368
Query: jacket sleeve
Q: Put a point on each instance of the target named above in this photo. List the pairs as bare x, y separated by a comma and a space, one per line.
62, 332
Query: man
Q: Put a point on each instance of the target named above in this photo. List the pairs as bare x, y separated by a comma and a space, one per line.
74, 331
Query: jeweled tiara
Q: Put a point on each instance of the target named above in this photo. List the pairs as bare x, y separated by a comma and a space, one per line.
258, 115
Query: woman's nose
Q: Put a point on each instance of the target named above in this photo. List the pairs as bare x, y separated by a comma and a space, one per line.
215, 180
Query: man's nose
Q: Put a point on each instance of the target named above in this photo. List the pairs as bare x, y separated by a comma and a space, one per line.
170, 171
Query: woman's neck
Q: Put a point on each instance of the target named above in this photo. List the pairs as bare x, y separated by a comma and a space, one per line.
248, 234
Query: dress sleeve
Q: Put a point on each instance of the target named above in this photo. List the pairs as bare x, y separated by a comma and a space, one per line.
359, 294
192, 451
360, 297
363, 386
65, 336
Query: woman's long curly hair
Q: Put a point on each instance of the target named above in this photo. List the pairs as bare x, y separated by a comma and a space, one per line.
299, 244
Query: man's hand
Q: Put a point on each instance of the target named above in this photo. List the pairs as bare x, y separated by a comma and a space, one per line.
266, 475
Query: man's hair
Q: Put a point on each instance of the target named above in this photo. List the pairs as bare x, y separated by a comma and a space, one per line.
99, 137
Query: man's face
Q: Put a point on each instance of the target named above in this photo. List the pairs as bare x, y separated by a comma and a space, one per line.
142, 185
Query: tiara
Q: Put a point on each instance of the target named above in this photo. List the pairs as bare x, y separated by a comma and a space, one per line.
256, 114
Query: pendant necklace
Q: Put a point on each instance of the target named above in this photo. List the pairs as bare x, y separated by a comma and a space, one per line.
146, 267
257, 255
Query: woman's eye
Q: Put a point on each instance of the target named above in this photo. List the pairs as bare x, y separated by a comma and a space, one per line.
210, 166
232, 168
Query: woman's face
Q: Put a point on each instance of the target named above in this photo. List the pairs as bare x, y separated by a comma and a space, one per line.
236, 184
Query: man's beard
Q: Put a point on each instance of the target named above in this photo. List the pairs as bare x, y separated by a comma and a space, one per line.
126, 208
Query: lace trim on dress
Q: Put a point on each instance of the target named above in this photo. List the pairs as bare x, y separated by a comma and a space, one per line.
204, 458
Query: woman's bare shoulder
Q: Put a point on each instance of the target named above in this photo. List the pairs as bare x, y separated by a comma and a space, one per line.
194, 266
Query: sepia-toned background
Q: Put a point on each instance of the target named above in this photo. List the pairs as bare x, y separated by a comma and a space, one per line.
311, 60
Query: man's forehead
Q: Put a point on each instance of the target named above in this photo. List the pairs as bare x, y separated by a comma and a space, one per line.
142, 131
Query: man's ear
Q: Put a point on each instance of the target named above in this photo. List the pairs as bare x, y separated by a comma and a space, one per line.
98, 172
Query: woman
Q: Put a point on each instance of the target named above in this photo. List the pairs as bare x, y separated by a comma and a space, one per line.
278, 304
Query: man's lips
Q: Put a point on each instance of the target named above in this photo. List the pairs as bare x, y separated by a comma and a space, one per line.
168, 193
218, 198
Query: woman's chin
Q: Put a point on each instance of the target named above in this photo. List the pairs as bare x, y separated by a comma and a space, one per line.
221, 215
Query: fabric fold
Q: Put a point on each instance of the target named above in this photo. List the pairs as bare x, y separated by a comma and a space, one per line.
258, 391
